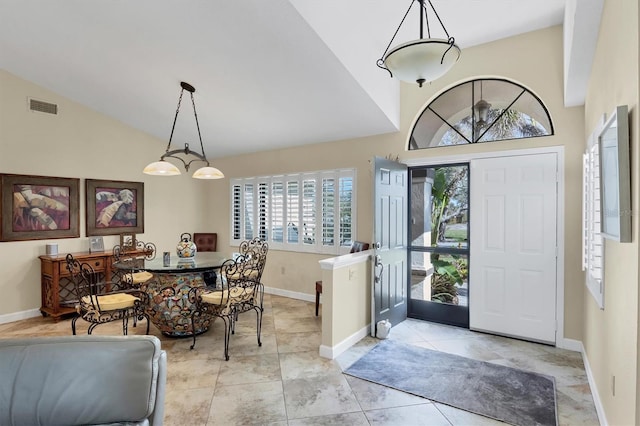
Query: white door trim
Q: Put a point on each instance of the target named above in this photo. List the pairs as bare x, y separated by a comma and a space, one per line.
559, 151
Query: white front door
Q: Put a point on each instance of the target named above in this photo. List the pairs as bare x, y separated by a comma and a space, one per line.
513, 243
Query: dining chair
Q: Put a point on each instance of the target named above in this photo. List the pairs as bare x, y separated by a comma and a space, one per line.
100, 302
238, 292
207, 241
130, 254
355, 247
255, 251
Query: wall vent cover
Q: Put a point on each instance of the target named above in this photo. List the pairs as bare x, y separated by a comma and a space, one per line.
42, 106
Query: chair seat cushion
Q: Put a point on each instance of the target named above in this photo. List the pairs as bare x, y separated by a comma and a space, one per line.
137, 277
235, 295
111, 302
251, 275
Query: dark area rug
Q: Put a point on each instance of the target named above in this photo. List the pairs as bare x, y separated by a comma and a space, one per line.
513, 396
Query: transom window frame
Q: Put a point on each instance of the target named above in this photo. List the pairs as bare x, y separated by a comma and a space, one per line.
469, 110
294, 211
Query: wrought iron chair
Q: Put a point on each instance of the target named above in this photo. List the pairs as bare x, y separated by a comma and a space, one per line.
129, 254
99, 302
255, 252
355, 247
238, 292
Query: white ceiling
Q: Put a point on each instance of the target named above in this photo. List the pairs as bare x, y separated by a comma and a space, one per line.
268, 74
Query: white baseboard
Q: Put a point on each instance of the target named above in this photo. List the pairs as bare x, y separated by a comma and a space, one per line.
332, 352
594, 390
291, 294
17, 316
570, 345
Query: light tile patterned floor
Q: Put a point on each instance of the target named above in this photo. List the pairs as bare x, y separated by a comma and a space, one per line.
286, 382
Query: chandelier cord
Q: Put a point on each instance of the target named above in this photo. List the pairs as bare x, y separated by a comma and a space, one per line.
426, 18
439, 20
195, 114
175, 119
380, 62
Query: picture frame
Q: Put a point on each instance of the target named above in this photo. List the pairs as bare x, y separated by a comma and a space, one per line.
127, 239
96, 244
38, 207
615, 178
114, 207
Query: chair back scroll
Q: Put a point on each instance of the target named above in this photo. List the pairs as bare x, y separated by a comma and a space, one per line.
87, 283
131, 254
255, 255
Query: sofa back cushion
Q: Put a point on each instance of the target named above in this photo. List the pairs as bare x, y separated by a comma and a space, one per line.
76, 380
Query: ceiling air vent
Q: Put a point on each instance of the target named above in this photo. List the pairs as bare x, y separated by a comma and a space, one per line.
42, 106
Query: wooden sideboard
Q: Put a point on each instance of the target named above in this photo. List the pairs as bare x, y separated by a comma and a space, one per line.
58, 294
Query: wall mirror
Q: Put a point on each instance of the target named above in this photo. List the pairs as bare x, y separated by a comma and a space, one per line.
615, 180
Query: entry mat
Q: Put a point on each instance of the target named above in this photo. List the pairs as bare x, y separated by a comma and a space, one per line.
514, 396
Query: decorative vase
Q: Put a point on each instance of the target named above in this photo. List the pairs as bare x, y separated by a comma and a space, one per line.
186, 248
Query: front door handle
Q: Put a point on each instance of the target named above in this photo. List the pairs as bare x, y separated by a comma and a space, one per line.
378, 263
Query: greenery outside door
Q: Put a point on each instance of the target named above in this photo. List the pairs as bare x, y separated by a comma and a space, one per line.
439, 244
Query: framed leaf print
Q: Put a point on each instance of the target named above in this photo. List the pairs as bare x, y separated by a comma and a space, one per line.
114, 207
38, 207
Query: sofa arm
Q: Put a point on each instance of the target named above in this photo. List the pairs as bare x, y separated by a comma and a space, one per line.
74, 380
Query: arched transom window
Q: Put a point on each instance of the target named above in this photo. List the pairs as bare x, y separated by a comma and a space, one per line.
483, 110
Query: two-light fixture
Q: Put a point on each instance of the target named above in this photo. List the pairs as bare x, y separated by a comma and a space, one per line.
165, 168
423, 60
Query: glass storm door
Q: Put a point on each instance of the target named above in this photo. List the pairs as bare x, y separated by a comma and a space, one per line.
439, 244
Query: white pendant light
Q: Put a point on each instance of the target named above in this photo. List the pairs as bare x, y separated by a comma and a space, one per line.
161, 168
208, 173
422, 60
164, 168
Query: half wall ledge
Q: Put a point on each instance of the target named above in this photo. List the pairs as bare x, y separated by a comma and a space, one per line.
346, 301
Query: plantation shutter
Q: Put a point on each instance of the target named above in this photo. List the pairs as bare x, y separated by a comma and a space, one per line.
263, 210
346, 206
236, 212
328, 211
293, 211
309, 211
277, 211
248, 211
593, 249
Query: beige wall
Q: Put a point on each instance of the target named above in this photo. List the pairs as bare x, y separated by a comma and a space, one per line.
85, 134
610, 336
81, 143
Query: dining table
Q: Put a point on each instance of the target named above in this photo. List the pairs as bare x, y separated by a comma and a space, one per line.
170, 303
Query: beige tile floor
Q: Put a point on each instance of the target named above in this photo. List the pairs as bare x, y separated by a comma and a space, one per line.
286, 382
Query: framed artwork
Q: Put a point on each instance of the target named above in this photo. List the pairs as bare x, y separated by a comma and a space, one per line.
38, 207
114, 207
615, 177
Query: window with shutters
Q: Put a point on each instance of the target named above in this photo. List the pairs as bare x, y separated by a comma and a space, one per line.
592, 239
310, 212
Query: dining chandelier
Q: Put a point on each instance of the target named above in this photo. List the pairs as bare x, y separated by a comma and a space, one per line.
165, 168
422, 60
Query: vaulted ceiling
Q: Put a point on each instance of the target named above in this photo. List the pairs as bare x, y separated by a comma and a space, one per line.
268, 74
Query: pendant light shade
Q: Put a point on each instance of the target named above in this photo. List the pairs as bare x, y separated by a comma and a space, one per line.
164, 168
161, 168
419, 61
422, 60
208, 173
